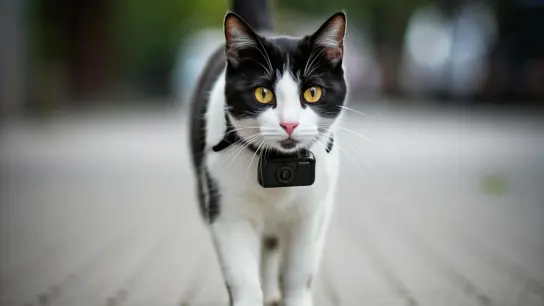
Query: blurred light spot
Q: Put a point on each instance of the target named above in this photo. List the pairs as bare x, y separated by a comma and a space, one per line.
429, 38
494, 185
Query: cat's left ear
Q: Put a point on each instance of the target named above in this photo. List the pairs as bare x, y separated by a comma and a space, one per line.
330, 37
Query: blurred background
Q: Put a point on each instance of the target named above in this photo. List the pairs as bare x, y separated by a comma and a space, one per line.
440, 202
59, 54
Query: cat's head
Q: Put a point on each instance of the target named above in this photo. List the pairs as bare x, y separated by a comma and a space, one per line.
281, 92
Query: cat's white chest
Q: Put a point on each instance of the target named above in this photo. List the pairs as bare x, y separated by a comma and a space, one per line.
237, 177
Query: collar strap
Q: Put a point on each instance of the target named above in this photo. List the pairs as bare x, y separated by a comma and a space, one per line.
231, 137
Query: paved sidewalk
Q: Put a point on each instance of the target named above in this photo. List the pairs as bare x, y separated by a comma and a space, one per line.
100, 211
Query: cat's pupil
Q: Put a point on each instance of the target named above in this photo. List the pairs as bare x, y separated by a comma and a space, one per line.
312, 91
263, 93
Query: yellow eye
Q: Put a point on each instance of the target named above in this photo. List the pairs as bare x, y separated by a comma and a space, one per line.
264, 95
313, 94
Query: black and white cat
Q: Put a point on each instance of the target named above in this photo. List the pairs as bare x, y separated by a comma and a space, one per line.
279, 94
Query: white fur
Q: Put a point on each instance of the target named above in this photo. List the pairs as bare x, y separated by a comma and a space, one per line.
331, 36
299, 216
240, 39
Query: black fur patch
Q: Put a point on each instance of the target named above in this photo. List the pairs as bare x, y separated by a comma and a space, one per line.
270, 243
310, 281
213, 207
229, 292
207, 189
330, 144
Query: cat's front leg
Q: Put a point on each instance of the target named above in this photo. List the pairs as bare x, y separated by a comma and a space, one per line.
303, 254
237, 243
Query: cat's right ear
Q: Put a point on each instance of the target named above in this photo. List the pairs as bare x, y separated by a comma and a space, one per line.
238, 36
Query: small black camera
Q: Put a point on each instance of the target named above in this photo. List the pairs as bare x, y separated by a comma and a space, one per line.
278, 170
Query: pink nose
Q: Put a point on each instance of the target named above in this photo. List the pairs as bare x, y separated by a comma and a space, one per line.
289, 127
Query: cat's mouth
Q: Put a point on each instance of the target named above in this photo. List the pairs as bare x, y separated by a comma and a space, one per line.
289, 143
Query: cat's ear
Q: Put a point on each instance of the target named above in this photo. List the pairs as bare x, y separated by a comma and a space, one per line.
330, 37
238, 36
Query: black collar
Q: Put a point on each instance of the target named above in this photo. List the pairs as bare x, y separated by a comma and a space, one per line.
231, 137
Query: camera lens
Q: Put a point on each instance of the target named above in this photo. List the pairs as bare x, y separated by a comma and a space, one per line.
285, 174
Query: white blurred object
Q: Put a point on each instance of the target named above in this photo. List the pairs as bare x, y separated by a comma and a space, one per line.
475, 31
191, 59
363, 72
447, 54
427, 48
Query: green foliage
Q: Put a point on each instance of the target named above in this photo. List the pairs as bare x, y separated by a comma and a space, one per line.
494, 185
385, 20
149, 32
357, 8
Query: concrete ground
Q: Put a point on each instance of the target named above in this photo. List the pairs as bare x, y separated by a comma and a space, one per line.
434, 208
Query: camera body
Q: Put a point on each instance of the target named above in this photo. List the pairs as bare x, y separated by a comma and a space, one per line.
277, 170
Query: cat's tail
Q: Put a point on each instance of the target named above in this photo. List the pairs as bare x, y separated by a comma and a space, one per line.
256, 13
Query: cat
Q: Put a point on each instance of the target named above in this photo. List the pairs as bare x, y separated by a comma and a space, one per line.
261, 94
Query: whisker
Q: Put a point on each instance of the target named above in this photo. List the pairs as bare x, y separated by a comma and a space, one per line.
364, 137
407, 133
266, 154
237, 151
265, 69
343, 152
311, 59
404, 132
316, 55
239, 129
267, 57
254, 154
240, 150
306, 65
353, 110
267, 62
358, 134
359, 156
314, 68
